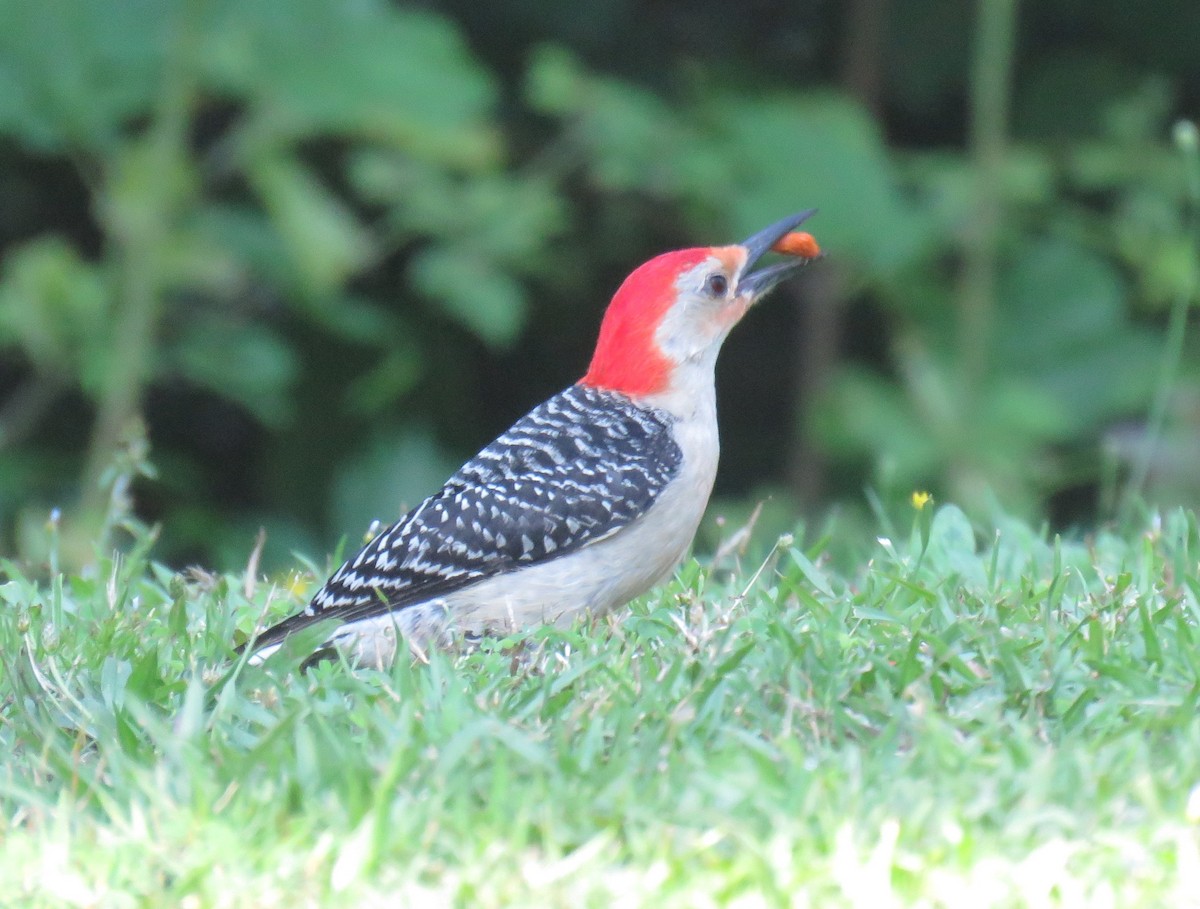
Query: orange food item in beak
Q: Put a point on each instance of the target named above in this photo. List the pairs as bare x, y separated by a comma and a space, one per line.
798, 243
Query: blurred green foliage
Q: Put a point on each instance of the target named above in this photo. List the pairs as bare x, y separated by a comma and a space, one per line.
319, 251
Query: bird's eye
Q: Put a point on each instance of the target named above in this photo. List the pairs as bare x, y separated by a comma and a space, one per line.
717, 285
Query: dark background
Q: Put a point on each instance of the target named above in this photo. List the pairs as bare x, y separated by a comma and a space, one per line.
285, 265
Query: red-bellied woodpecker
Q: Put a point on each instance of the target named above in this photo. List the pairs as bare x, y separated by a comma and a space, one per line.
589, 500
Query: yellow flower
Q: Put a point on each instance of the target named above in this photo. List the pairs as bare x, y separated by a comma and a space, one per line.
297, 584
920, 499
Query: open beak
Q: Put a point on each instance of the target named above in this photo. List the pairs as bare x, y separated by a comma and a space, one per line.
756, 283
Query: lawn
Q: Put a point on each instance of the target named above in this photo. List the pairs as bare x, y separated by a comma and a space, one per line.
960, 716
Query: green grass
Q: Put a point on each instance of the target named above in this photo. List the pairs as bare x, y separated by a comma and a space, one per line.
1008, 724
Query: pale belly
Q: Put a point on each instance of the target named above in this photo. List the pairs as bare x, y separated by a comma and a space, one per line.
593, 581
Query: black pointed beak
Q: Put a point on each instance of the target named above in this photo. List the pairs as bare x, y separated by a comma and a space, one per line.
757, 283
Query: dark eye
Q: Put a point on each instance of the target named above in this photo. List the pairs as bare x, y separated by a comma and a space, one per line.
717, 285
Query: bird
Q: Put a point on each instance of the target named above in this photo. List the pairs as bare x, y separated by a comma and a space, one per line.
586, 502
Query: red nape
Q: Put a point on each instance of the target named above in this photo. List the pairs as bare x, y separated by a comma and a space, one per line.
627, 358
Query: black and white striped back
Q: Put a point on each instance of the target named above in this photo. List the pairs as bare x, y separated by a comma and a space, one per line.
574, 470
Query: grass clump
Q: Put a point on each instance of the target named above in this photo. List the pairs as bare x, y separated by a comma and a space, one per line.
945, 723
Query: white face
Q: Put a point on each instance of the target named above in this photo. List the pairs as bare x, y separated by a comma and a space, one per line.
706, 309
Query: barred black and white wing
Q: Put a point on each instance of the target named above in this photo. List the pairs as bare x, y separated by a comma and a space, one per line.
573, 471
